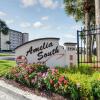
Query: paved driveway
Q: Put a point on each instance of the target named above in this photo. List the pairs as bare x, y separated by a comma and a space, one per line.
5, 96
9, 92
7, 58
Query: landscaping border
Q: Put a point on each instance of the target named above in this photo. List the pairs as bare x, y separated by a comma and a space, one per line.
18, 93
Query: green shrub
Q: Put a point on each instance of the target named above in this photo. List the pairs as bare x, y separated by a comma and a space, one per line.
73, 82
96, 89
72, 90
40, 68
85, 69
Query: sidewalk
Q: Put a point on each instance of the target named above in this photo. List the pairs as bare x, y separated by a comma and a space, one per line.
9, 92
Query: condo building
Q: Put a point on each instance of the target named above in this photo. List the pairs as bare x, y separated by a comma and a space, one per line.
12, 40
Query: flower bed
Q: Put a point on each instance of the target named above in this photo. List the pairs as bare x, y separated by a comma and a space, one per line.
43, 78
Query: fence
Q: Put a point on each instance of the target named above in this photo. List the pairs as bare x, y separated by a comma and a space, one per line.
87, 43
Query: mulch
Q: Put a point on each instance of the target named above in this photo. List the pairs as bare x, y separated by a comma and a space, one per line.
43, 93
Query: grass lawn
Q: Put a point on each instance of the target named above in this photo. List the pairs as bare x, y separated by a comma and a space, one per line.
5, 54
5, 66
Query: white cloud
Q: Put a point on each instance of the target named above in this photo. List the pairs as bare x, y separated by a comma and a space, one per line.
25, 25
10, 21
49, 3
44, 3
44, 18
2, 13
38, 25
27, 3
58, 27
70, 36
75, 27
63, 5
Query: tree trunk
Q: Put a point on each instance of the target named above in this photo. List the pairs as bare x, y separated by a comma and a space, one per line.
88, 38
97, 15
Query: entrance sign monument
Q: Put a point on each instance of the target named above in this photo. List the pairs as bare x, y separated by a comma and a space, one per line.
46, 51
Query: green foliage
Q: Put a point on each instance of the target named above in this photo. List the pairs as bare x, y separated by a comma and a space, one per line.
72, 82
85, 69
77, 9
32, 75
3, 27
74, 8
96, 89
73, 90
40, 68
82, 76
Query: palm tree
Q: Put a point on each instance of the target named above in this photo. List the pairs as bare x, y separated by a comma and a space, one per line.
78, 9
82, 10
97, 14
3, 30
74, 8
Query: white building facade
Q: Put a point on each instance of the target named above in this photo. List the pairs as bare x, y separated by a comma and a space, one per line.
12, 40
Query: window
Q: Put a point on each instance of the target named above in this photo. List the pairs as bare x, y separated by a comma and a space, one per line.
71, 64
71, 57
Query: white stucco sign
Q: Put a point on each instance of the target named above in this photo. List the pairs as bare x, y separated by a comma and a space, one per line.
43, 51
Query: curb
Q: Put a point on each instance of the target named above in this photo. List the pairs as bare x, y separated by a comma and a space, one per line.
18, 93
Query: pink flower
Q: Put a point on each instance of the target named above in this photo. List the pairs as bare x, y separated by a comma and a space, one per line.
22, 65
44, 75
39, 74
30, 70
17, 74
54, 71
33, 81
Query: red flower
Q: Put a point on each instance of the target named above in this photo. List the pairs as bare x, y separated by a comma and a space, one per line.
51, 81
61, 79
65, 81
59, 82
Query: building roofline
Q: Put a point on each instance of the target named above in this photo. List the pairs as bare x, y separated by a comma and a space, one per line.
15, 30
36, 40
70, 43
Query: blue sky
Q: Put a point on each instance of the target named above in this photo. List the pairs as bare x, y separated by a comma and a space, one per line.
39, 18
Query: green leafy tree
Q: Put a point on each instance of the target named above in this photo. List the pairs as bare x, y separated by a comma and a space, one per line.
78, 9
8, 43
3, 30
84, 11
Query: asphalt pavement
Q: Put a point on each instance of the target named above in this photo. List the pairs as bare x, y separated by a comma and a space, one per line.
7, 58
